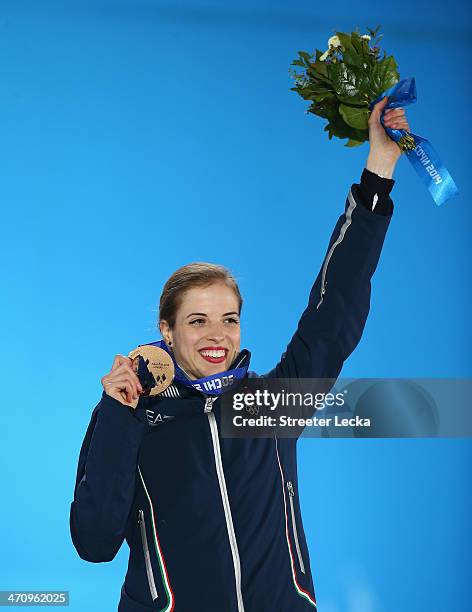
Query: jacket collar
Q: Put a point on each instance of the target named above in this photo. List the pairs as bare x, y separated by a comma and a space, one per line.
241, 361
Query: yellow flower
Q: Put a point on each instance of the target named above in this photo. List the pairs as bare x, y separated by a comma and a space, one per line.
334, 42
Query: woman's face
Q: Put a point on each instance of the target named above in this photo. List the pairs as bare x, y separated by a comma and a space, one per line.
206, 336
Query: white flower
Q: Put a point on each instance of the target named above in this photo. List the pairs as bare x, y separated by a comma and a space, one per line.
334, 42
365, 37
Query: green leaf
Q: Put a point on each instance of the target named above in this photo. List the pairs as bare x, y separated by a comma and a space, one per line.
350, 56
355, 117
345, 40
315, 75
309, 94
337, 127
348, 81
373, 33
323, 95
383, 75
320, 68
357, 44
326, 108
353, 143
306, 56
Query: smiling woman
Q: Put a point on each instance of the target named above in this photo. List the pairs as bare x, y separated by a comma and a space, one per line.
214, 523
199, 315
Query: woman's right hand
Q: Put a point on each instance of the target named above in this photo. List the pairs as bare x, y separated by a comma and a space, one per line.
122, 383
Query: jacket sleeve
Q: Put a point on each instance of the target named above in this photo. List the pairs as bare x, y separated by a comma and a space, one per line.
374, 192
105, 482
334, 319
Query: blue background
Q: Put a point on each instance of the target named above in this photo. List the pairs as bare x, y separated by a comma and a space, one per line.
137, 136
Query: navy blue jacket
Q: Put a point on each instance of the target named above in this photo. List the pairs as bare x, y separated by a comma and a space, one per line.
213, 524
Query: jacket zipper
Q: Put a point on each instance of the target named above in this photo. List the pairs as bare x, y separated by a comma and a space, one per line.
224, 497
299, 589
291, 495
208, 410
342, 232
147, 556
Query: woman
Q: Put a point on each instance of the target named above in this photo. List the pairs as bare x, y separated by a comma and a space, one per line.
213, 523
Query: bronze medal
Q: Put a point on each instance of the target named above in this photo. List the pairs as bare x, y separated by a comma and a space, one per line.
154, 368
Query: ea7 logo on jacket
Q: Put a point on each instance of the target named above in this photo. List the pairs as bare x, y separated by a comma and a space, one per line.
156, 419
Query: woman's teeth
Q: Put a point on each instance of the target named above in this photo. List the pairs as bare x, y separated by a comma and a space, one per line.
212, 353
215, 356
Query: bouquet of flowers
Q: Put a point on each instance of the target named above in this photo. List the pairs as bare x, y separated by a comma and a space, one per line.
342, 82
347, 80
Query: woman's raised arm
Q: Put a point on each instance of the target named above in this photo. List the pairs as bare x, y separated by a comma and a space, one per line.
334, 319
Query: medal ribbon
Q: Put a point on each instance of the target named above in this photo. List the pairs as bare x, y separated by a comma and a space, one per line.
419, 151
216, 384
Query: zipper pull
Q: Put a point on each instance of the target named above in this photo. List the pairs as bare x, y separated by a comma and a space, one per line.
140, 517
290, 489
208, 404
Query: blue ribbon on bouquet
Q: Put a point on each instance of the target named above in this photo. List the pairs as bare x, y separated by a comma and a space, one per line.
419, 151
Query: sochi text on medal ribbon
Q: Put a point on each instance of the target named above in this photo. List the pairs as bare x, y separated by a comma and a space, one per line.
214, 385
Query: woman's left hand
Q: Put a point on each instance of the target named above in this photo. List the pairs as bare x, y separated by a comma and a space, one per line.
379, 140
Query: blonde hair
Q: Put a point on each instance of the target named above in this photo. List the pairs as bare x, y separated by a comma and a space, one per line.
197, 274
